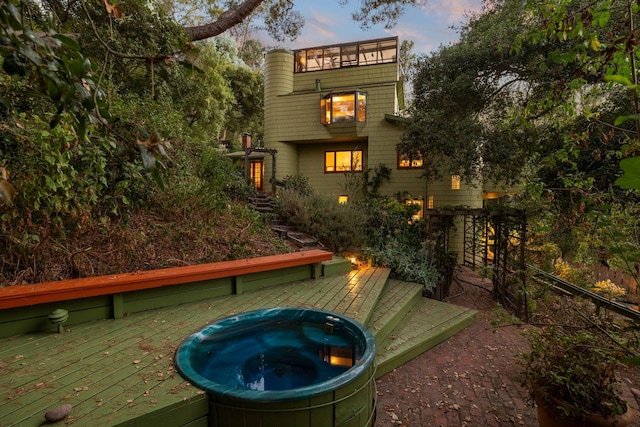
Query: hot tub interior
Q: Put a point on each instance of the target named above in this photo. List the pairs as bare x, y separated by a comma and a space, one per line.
277, 353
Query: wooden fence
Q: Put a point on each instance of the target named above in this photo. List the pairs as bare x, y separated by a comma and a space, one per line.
617, 277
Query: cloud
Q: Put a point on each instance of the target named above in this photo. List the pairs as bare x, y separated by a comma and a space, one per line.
453, 10
428, 26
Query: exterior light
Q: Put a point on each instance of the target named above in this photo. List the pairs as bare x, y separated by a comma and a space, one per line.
318, 88
58, 317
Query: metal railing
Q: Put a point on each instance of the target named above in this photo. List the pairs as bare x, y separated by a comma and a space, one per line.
599, 300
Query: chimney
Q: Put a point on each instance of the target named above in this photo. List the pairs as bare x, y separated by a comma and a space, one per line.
246, 141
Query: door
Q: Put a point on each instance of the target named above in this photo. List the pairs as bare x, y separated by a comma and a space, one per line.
257, 172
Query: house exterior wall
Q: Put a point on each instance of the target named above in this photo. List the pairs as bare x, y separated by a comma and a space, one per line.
293, 127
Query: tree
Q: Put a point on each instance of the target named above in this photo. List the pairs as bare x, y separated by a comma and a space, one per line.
529, 96
282, 21
474, 99
601, 37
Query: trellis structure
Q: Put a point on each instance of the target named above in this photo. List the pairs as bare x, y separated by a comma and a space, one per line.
494, 239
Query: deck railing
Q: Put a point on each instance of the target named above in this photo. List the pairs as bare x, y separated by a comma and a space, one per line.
26, 308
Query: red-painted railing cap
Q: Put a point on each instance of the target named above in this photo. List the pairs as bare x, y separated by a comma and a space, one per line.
39, 293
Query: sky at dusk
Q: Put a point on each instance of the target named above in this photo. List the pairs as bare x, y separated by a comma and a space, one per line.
428, 26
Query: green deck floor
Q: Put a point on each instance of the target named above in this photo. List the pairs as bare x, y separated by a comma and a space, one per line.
121, 372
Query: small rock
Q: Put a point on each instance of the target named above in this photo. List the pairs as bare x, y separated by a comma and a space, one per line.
59, 413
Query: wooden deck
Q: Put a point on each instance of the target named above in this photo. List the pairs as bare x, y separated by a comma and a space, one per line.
121, 372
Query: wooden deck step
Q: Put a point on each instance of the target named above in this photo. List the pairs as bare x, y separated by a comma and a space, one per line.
395, 302
427, 325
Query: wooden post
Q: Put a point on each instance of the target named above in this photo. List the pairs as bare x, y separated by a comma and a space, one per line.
118, 306
237, 285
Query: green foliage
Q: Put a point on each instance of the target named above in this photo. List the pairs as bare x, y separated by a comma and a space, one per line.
298, 184
380, 227
221, 177
595, 41
101, 125
52, 66
631, 177
396, 242
245, 110
470, 102
339, 227
543, 94
574, 370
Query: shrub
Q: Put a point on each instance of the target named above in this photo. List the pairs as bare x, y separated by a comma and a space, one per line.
339, 227
398, 243
576, 275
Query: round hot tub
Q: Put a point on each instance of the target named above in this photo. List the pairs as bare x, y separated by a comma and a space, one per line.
283, 367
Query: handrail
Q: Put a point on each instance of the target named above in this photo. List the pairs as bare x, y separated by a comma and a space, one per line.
584, 293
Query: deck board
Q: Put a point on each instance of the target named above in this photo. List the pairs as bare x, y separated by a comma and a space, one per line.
396, 301
121, 372
429, 323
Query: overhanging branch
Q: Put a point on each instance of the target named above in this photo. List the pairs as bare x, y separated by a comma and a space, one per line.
227, 20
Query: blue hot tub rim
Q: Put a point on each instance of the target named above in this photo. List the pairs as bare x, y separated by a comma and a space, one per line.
187, 371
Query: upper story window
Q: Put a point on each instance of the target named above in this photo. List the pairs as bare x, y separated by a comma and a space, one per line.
369, 52
343, 108
343, 161
455, 182
406, 161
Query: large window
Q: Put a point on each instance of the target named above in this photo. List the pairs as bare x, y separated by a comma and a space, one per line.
342, 161
370, 52
343, 107
406, 161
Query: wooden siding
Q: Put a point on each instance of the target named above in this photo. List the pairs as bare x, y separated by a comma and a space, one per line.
292, 117
350, 77
311, 161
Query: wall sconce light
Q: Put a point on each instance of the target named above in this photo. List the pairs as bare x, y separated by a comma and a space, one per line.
318, 88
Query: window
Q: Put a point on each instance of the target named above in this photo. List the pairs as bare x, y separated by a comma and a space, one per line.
455, 182
343, 199
343, 108
409, 162
430, 202
343, 161
418, 215
371, 52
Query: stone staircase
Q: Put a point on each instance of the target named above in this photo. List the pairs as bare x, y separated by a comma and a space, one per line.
263, 203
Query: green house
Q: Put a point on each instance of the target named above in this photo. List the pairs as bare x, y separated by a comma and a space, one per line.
333, 111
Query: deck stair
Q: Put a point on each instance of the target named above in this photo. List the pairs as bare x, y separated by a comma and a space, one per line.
120, 372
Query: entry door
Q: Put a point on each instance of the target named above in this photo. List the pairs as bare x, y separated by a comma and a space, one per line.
257, 171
